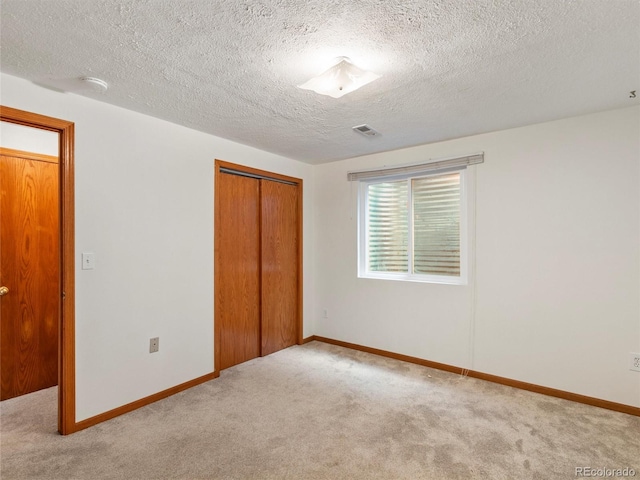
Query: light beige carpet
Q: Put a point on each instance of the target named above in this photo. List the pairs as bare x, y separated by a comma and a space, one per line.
324, 412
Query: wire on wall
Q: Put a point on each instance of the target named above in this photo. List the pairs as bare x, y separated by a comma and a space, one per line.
472, 283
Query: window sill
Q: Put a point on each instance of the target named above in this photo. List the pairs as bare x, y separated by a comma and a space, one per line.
437, 279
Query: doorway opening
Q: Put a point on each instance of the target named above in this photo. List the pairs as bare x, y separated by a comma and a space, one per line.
66, 289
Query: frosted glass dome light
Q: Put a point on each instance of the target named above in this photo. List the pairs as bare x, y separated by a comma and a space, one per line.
344, 77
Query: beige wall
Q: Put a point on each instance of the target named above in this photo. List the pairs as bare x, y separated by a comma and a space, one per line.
28, 139
144, 206
557, 299
557, 253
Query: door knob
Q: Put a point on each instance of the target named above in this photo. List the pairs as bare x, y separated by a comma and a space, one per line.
3, 291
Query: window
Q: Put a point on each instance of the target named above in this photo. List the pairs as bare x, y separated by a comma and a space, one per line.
413, 222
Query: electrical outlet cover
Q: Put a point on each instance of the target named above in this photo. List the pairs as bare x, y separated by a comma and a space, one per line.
634, 362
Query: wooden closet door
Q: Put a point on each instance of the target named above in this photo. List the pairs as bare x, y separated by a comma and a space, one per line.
238, 269
30, 269
279, 265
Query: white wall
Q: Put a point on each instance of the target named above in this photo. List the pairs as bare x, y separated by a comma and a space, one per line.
144, 206
558, 253
34, 140
558, 260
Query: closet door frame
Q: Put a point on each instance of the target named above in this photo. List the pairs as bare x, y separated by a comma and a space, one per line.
242, 169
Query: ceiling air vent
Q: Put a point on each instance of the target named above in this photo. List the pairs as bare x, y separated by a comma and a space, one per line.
366, 130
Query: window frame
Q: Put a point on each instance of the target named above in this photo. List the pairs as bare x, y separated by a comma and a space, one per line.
363, 222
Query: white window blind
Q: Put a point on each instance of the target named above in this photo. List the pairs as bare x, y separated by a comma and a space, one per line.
412, 222
417, 168
388, 227
436, 224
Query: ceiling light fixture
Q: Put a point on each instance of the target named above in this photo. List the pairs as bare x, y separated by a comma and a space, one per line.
344, 77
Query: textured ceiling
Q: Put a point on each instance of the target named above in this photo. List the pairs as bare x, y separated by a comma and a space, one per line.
230, 68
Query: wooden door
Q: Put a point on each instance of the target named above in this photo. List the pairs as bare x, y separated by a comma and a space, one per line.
30, 269
279, 206
258, 273
237, 269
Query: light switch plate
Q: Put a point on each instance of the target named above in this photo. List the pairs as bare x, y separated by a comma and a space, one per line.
88, 261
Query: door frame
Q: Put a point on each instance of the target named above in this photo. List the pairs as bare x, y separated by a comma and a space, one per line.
66, 314
217, 233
